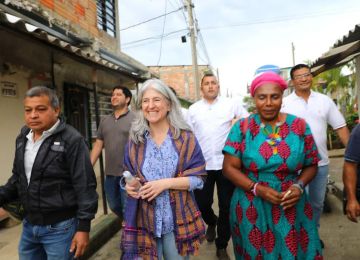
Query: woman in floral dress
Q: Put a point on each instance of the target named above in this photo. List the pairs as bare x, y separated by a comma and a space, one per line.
270, 157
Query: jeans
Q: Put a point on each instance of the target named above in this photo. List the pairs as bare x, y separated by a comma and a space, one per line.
51, 242
166, 248
116, 197
204, 199
317, 190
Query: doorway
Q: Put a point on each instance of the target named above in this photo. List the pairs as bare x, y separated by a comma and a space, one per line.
76, 108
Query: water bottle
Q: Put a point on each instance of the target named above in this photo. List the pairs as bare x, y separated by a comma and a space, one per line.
129, 179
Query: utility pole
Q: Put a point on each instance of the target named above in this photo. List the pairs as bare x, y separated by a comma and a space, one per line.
189, 7
293, 53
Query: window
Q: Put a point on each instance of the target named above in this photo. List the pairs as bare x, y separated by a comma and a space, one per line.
105, 108
106, 18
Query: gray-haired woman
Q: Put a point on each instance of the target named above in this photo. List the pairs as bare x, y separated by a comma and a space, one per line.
162, 218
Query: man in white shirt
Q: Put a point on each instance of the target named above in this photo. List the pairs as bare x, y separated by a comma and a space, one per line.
211, 119
318, 110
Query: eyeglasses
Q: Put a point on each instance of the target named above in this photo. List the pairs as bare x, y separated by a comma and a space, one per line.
306, 75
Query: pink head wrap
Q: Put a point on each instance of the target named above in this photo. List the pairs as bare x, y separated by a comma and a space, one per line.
267, 77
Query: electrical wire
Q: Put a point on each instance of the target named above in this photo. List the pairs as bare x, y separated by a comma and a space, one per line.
273, 20
182, 4
203, 47
162, 35
153, 41
202, 42
152, 19
153, 37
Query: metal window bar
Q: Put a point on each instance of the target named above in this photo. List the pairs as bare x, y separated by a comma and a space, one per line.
106, 19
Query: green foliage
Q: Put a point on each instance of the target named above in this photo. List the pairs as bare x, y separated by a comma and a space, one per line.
249, 104
352, 120
334, 83
185, 103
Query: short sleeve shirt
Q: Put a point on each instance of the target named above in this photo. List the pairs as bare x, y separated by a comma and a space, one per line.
211, 123
318, 112
114, 132
352, 152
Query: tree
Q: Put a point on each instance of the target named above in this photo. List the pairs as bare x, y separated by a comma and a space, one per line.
337, 85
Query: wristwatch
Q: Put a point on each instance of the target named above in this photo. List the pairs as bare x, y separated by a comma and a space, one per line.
300, 185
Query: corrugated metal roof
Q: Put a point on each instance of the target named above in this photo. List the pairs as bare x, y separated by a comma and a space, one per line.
131, 67
352, 36
343, 51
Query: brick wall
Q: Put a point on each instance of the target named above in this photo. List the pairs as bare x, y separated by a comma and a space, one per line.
180, 78
81, 18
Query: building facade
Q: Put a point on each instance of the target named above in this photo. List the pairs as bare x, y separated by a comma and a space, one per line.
71, 46
181, 78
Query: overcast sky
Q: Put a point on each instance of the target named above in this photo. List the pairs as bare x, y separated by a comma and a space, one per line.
239, 36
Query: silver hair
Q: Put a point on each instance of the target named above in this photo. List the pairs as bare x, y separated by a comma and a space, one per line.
140, 125
44, 91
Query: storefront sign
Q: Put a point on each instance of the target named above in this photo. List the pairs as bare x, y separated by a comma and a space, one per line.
8, 89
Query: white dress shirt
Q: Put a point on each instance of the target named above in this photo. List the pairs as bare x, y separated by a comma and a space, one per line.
318, 112
211, 124
32, 148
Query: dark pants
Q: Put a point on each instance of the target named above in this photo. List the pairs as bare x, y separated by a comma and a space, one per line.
116, 197
205, 198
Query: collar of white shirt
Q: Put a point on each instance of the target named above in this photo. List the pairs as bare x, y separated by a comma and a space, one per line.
46, 133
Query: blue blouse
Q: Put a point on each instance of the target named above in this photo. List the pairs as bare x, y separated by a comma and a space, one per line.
160, 163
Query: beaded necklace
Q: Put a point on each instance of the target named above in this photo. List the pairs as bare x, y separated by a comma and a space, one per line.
273, 138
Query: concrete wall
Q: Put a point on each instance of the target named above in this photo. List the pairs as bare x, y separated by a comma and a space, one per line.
11, 114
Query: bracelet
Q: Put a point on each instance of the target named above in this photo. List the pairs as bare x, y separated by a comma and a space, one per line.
254, 189
299, 187
252, 184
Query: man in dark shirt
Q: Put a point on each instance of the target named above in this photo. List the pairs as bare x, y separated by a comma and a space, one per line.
351, 172
112, 135
53, 179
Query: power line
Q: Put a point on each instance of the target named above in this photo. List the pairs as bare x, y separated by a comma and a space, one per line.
162, 34
149, 42
272, 20
182, 4
202, 42
154, 37
203, 47
152, 19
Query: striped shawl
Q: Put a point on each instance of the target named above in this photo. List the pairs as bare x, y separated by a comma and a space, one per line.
138, 234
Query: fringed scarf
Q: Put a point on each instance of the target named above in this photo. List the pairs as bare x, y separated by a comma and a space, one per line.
138, 240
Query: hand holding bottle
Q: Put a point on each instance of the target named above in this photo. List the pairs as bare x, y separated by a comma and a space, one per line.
132, 184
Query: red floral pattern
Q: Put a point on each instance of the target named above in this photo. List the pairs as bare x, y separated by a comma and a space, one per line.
276, 213
255, 237
298, 126
269, 240
254, 128
283, 150
266, 151
251, 214
303, 239
282, 171
291, 241
239, 213
284, 130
